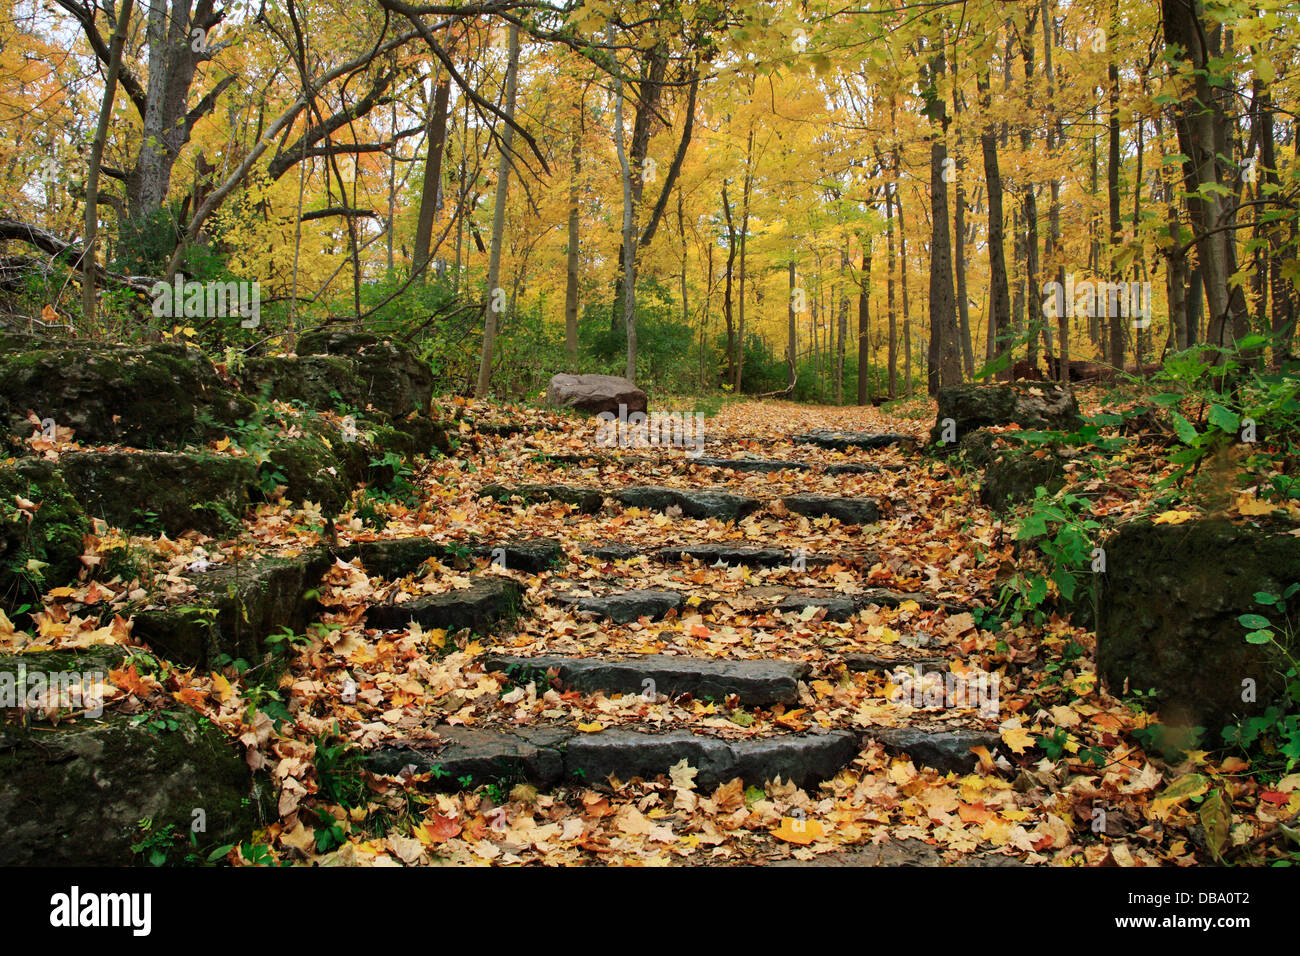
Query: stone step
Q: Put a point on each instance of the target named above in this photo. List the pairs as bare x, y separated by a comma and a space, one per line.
758, 683
622, 607
944, 749
867, 663
471, 757
706, 503
759, 465
843, 440
585, 500
232, 609
398, 557
486, 601
851, 511
731, 554
154, 491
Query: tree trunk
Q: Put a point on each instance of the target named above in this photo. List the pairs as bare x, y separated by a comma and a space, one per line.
499, 221
431, 192
1000, 299
96, 158
893, 317
864, 325
1203, 137
791, 354
571, 256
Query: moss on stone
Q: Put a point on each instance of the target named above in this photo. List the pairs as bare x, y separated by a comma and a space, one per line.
40, 551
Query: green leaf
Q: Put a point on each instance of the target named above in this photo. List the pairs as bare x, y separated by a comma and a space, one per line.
1186, 431
1224, 419
1254, 621
1216, 818
1259, 637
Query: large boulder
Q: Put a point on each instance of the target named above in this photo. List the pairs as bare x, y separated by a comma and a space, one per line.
1167, 617
594, 394
233, 608
39, 546
1014, 476
155, 491
1046, 406
83, 792
143, 396
392, 377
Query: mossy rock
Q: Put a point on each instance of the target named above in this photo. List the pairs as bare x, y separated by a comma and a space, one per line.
1167, 617
1014, 476
1036, 405
394, 378
318, 381
322, 465
141, 396
75, 794
154, 491
233, 609
42, 552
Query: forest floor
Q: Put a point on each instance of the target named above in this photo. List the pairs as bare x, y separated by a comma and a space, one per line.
1048, 773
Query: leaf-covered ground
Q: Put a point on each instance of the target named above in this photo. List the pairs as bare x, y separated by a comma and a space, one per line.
1069, 783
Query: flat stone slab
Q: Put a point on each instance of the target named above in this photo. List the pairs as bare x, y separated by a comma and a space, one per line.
865, 663
852, 468
398, 557
854, 511
694, 504
477, 757
622, 607
839, 607
531, 556
612, 551
760, 465
730, 554
471, 757
626, 753
585, 500
154, 491
843, 441
478, 607
233, 609
947, 750
757, 683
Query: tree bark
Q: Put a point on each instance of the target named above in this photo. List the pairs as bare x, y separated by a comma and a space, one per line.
96, 159
431, 193
499, 221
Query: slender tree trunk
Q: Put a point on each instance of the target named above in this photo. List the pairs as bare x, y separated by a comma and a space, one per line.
571, 255
791, 353
893, 316
733, 346
864, 325
629, 229
498, 221
1052, 248
1116, 323
431, 193
1000, 299
96, 158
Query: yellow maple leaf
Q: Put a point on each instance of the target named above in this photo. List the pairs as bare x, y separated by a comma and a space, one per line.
592, 727
803, 832
1251, 506
1174, 517
1017, 738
